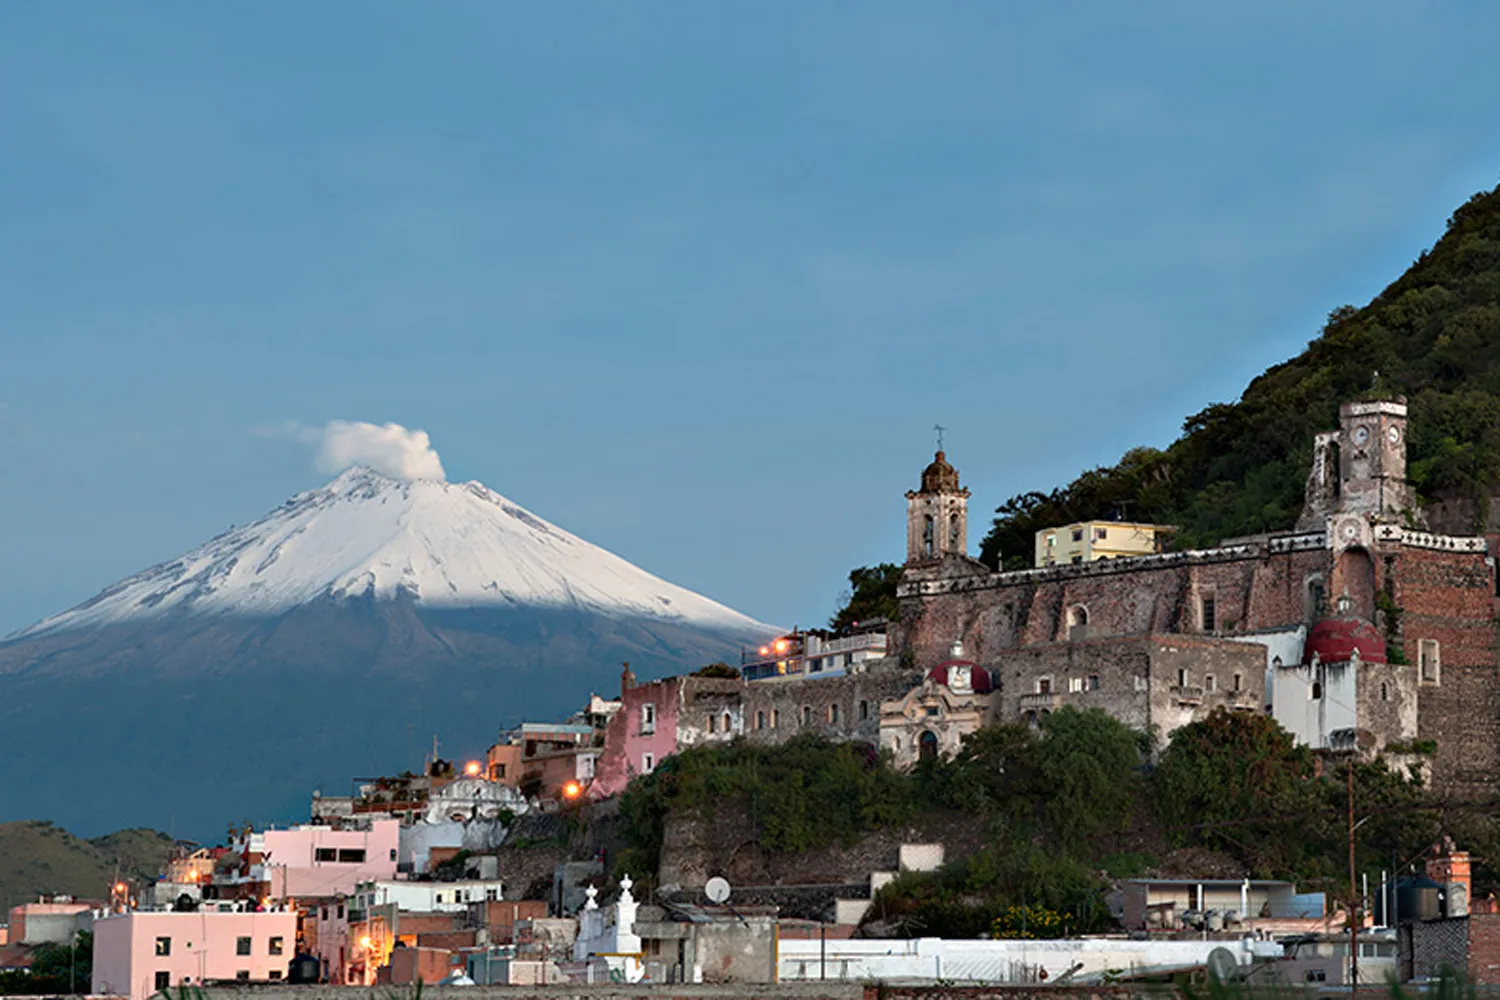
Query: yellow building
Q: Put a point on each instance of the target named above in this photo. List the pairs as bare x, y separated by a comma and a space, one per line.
1090, 540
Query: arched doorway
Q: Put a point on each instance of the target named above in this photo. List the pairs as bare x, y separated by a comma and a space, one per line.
1355, 578
927, 745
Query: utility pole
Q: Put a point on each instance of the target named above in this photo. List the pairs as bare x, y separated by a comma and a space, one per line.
1354, 909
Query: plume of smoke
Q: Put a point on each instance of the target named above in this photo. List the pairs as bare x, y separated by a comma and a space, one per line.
389, 449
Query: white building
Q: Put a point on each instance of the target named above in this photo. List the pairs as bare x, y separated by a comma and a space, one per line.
426, 897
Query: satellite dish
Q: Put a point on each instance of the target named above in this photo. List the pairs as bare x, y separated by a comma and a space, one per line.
1222, 966
717, 890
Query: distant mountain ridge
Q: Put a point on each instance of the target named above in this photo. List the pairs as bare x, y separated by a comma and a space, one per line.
333, 637
37, 857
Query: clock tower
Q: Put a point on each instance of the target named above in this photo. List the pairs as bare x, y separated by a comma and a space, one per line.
1372, 460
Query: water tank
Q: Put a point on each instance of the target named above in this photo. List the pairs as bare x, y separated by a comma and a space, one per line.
303, 969
1418, 898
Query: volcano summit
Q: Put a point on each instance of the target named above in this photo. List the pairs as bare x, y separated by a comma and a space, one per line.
332, 637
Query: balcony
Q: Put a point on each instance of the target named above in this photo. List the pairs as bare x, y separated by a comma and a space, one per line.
1042, 701
1187, 694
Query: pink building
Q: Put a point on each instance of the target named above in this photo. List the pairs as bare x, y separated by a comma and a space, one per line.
139, 954
322, 860
641, 735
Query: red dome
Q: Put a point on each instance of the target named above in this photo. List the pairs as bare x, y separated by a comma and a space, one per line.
1336, 639
939, 674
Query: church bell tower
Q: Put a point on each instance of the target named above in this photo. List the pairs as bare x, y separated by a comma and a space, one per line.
937, 515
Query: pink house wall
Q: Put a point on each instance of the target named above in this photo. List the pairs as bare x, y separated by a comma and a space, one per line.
293, 871
203, 946
626, 744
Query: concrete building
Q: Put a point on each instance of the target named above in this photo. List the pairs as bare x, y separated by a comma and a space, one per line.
817, 653
138, 954
315, 861
1168, 904
1358, 546
1080, 961
1087, 541
50, 920
540, 759
426, 897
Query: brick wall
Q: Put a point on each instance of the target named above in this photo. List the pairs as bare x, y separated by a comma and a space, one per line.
1448, 597
1484, 949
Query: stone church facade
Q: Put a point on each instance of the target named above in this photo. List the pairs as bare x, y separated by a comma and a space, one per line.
1358, 554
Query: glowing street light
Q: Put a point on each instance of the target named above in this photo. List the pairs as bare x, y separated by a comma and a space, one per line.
472, 768
571, 790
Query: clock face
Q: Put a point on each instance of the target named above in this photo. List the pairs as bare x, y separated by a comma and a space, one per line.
1394, 434
1361, 434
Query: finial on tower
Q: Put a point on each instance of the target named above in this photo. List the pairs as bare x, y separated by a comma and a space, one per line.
941, 430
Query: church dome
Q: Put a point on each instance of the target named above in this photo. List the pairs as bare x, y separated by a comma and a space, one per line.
980, 677
1334, 640
940, 477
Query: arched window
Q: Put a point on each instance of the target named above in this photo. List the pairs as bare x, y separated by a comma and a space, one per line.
928, 541
927, 745
954, 529
864, 710
1078, 622
728, 723
807, 715
833, 714
1314, 607
1317, 690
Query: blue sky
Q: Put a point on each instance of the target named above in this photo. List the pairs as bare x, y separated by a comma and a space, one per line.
691, 280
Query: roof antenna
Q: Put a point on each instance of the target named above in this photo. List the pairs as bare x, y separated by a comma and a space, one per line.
941, 430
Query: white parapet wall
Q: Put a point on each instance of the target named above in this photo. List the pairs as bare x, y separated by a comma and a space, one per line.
1074, 959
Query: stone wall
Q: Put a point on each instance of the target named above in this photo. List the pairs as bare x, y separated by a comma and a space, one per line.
1254, 586
841, 708
1137, 678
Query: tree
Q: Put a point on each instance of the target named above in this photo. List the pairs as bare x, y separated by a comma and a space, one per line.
872, 594
1238, 768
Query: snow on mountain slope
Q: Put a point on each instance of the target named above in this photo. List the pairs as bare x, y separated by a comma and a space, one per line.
364, 535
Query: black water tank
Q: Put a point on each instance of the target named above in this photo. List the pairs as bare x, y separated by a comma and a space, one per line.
303, 969
1418, 898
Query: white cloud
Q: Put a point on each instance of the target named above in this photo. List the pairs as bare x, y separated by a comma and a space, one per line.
389, 449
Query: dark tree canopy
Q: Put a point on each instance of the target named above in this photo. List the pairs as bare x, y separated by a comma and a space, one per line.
872, 594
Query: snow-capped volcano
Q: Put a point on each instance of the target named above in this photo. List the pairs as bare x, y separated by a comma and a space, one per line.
364, 535
333, 637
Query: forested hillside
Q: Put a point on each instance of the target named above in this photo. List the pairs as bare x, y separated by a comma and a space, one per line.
1061, 812
1239, 468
